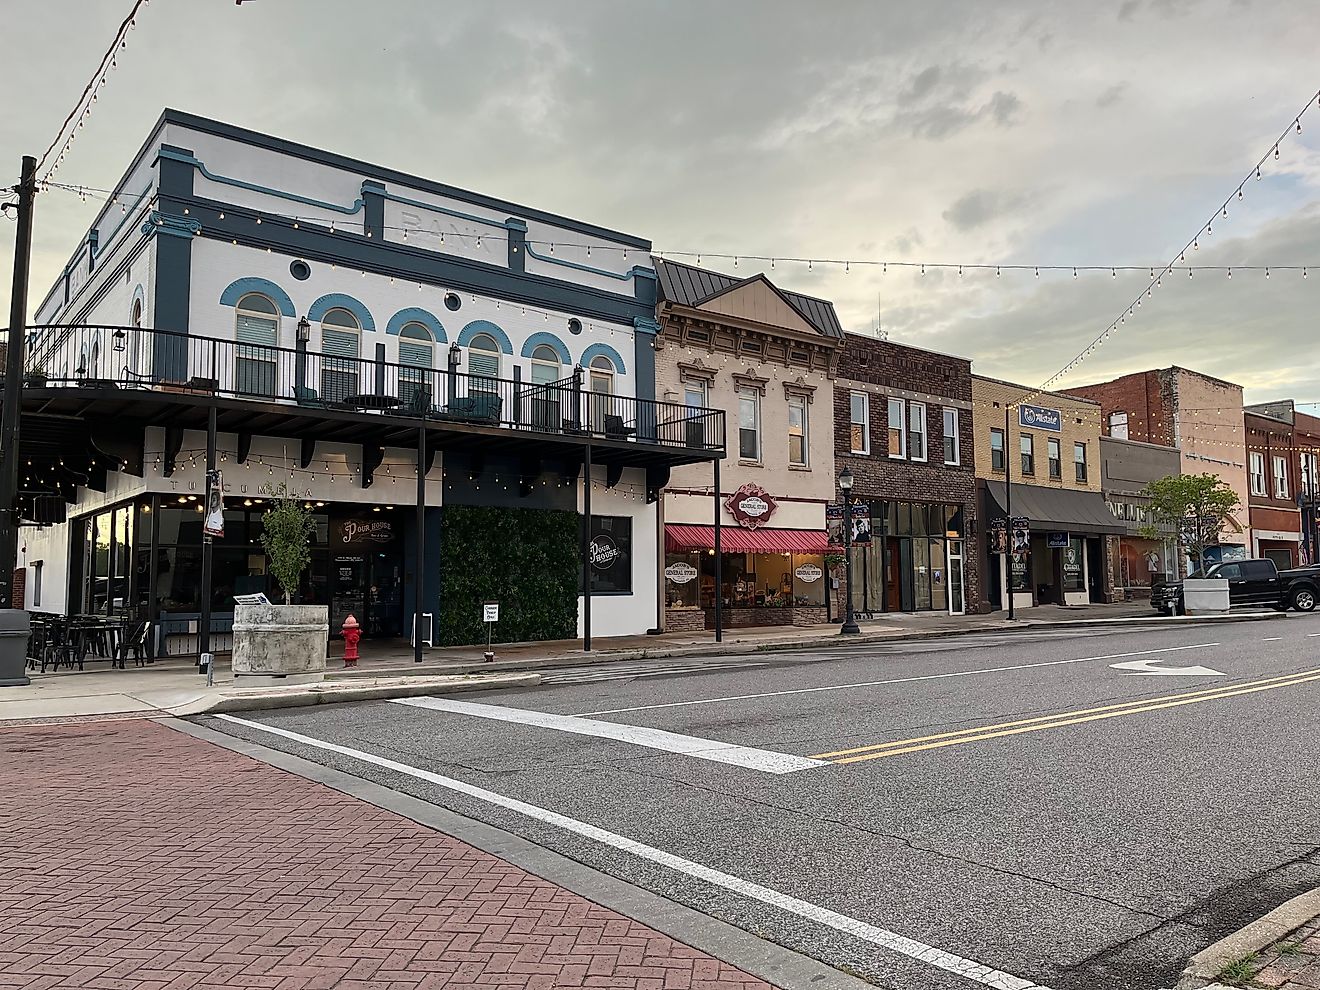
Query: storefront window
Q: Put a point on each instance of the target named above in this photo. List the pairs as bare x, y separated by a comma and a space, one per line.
1073, 557
939, 578
682, 579
808, 579
610, 550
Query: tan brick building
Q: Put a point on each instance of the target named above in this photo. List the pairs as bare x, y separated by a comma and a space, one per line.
767, 357
1038, 463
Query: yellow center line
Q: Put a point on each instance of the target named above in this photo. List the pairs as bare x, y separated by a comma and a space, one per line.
1059, 719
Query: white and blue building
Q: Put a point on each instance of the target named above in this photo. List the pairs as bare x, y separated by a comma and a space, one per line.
340, 327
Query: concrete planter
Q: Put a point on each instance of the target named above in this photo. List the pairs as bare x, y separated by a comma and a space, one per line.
282, 644
1205, 596
15, 628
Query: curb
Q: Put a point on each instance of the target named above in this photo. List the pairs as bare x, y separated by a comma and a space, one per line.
337, 692
1203, 967
832, 639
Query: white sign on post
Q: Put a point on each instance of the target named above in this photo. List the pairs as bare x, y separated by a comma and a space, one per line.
490, 612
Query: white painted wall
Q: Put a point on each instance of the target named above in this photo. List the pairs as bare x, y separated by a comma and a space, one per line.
627, 615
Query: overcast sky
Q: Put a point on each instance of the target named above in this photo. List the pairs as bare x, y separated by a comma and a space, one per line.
1069, 132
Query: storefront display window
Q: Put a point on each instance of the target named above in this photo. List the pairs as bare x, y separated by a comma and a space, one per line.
906, 568
1073, 563
610, 550
682, 584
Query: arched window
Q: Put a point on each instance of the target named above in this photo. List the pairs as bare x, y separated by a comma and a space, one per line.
600, 382
416, 359
340, 339
483, 363
545, 365
137, 313
257, 331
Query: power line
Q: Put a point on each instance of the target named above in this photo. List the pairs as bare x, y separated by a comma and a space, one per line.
82, 109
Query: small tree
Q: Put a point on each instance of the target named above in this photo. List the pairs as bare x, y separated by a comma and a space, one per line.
1197, 506
286, 531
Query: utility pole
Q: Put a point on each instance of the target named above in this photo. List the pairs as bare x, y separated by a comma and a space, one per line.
1008, 510
15, 624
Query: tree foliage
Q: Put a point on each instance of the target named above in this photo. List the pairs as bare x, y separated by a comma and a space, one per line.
1197, 506
287, 528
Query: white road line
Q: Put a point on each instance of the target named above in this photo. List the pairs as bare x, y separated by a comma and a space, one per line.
608, 675
960, 966
669, 742
1271, 639
1312, 634
896, 680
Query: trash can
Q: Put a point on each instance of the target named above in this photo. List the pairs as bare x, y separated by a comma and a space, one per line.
15, 629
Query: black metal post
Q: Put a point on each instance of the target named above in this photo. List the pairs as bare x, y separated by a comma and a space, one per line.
204, 628
421, 544
586, 548
153, 577
719, 560
1008, 509
577, 397
849, 626
9, 418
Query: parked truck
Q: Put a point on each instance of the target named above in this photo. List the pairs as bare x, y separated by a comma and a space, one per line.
1254, 582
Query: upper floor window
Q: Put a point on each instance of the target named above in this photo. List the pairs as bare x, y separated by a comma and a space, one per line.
694, 393
1280, 477
749, 424
1257, 472
1055, 458
917, 430
952, 454
860, 422
600, 382
1118, 425
545, 365
997, 461
341, 336
1027, 446
483, 362
1310, 474
257, 333
897, 428
797, 430
416, 359
1079, 462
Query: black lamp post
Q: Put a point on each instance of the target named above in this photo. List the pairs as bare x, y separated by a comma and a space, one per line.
849, 626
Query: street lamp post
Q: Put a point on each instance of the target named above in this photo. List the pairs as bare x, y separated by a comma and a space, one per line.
849, 626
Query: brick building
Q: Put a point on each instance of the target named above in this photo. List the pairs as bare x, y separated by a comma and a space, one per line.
903, 419
1293, 437
1048, 510
1199, 415
766, 355
1276, 519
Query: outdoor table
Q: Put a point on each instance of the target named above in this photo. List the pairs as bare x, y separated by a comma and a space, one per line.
373, 401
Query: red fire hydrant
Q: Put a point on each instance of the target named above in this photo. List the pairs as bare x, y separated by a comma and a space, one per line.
352, 633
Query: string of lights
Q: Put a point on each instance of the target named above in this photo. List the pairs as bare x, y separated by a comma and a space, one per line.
82, 109
1193, 244
661, 256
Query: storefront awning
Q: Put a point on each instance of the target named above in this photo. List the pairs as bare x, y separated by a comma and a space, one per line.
736, 539
1057, 509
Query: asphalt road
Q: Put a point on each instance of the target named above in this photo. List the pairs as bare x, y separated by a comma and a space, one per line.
1013, 801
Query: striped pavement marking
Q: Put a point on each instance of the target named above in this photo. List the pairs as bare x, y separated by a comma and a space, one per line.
714, 750
968, 969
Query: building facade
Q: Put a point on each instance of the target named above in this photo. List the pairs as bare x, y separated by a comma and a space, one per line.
1142, 561
1293, 436
1049, 534
767, 356
1272, 487
1200, 416
903, 427
461, 390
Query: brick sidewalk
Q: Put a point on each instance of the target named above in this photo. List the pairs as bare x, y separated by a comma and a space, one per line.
1290, 964
134, 857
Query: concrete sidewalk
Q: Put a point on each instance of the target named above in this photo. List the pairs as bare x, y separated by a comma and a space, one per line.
173, 686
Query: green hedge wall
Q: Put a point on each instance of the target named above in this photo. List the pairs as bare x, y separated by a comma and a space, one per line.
525, 559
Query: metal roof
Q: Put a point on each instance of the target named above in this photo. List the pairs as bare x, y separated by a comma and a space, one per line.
688, 285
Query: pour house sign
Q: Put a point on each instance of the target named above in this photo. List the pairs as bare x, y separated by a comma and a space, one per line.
751, 506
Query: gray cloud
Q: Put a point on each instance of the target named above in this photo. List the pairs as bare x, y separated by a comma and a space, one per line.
1111, 95
980, 206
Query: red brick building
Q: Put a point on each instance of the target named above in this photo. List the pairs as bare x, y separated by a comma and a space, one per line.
903, 425
1286, 443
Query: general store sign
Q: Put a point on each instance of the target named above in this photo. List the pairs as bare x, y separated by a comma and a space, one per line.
751, 506
1040, 418
680, 572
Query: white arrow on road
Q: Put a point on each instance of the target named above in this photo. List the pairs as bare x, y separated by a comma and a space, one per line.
1151, 667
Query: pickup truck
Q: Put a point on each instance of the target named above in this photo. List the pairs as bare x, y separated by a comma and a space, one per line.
1250, 582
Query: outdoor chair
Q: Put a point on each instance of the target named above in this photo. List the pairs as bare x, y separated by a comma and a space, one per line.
615, 429
480, 407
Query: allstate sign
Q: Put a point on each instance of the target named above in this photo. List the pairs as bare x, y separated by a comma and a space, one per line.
1040, 418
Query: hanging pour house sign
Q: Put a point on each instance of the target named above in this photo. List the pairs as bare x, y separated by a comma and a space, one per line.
751, 506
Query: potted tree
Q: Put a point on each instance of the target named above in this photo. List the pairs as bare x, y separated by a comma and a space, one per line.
286, 642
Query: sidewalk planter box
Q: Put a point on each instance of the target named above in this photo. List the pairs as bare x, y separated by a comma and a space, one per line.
1205, 596
283, 644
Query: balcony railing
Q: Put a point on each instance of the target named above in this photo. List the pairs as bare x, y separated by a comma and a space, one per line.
111, 357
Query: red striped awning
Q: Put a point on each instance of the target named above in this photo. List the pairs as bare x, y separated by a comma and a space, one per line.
736, 539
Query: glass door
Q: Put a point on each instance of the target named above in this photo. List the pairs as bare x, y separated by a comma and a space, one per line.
956, 604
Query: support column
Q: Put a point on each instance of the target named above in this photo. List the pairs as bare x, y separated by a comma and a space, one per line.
719, 558
204, 627
586, 549
421, 544
153, 577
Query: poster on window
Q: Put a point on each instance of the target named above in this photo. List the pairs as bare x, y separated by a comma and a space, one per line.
609, 555
213, 523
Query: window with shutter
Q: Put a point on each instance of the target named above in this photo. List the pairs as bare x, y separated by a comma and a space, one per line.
257, 331
340, 339
483, 363
416, 359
